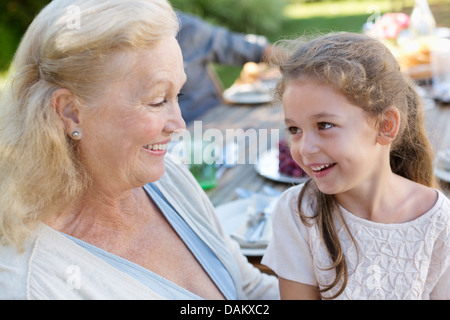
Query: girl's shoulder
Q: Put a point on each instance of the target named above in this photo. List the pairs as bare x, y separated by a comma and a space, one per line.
289, 201
442, 206
443, 200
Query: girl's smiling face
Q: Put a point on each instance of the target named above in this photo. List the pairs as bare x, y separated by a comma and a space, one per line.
334, 141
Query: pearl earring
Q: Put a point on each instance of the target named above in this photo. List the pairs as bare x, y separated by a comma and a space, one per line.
76, 135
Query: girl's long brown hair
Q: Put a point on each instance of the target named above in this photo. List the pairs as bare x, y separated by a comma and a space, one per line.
366, 72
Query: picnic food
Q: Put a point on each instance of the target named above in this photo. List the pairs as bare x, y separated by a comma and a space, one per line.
414, 54
254, 72
414, 59
286, 164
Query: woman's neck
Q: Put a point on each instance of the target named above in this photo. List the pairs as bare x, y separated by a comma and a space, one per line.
100, 213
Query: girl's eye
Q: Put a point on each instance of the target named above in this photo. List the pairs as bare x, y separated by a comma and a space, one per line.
324, 125
293, 130
179, 96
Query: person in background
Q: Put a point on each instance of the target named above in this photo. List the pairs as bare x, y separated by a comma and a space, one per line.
203, 44
91, 204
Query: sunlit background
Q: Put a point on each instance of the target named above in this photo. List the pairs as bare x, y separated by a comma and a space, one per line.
275, 19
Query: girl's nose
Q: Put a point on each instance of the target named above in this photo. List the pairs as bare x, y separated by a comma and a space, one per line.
308, 145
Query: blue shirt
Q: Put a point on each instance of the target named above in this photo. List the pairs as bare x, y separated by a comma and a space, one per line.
205, 256
203, 44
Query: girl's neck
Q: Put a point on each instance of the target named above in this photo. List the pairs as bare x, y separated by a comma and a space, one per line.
388, 199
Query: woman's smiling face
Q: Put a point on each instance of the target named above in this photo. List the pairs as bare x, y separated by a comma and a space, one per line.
124, 140
334, 141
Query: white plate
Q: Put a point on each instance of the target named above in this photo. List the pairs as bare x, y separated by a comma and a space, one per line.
232, 216
442, 163
267, 166
442, 174
249, 94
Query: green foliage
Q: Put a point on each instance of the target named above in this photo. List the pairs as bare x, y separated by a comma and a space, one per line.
249, 16
15, 16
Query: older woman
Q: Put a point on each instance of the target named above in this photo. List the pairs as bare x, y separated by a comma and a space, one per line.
90, 205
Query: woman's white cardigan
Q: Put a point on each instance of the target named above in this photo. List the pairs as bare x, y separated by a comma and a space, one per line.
54, 267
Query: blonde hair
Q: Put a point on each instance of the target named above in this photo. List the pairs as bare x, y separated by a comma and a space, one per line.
70, 44
366, 72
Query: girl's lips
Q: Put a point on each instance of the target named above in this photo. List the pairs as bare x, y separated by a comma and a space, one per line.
320, 167
321, 170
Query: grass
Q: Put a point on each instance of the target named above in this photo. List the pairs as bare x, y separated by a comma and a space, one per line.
317, 17
2, 79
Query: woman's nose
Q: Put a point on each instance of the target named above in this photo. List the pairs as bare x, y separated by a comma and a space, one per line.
175, 121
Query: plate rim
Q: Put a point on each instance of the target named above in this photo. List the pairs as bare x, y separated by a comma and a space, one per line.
229, 95
442, 174
249, 252
279, 177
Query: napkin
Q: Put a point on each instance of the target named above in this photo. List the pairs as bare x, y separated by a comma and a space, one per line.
258, 203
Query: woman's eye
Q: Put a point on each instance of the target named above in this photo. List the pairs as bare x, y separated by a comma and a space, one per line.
160, 104
293, 130
324, 125
163, 102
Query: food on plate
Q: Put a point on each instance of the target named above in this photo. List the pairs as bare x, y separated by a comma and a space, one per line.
287, 165
413, 54
414, 59
254, 86
254, 72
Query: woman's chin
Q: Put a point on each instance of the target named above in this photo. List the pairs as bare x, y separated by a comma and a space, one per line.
155, 173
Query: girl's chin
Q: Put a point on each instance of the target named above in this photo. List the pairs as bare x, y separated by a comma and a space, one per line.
326, 189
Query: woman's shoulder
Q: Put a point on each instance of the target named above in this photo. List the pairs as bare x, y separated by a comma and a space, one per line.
14, 265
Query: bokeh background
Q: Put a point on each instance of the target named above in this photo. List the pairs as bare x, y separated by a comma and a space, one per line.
275, 19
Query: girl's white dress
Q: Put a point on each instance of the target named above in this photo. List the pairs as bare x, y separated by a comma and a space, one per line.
392, 261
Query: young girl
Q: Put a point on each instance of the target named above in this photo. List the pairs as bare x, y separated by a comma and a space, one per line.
370, 223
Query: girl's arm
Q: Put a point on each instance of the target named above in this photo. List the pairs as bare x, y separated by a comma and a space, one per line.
291, 290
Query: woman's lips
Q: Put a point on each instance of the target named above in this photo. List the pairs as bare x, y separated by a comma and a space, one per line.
157, 147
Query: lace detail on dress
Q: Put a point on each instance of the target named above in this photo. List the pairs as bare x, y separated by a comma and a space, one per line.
393, 261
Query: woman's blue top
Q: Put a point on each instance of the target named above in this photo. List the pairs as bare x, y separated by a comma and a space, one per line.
202, 252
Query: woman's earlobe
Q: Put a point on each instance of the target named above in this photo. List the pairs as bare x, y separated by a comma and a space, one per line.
64, 104
389, 126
